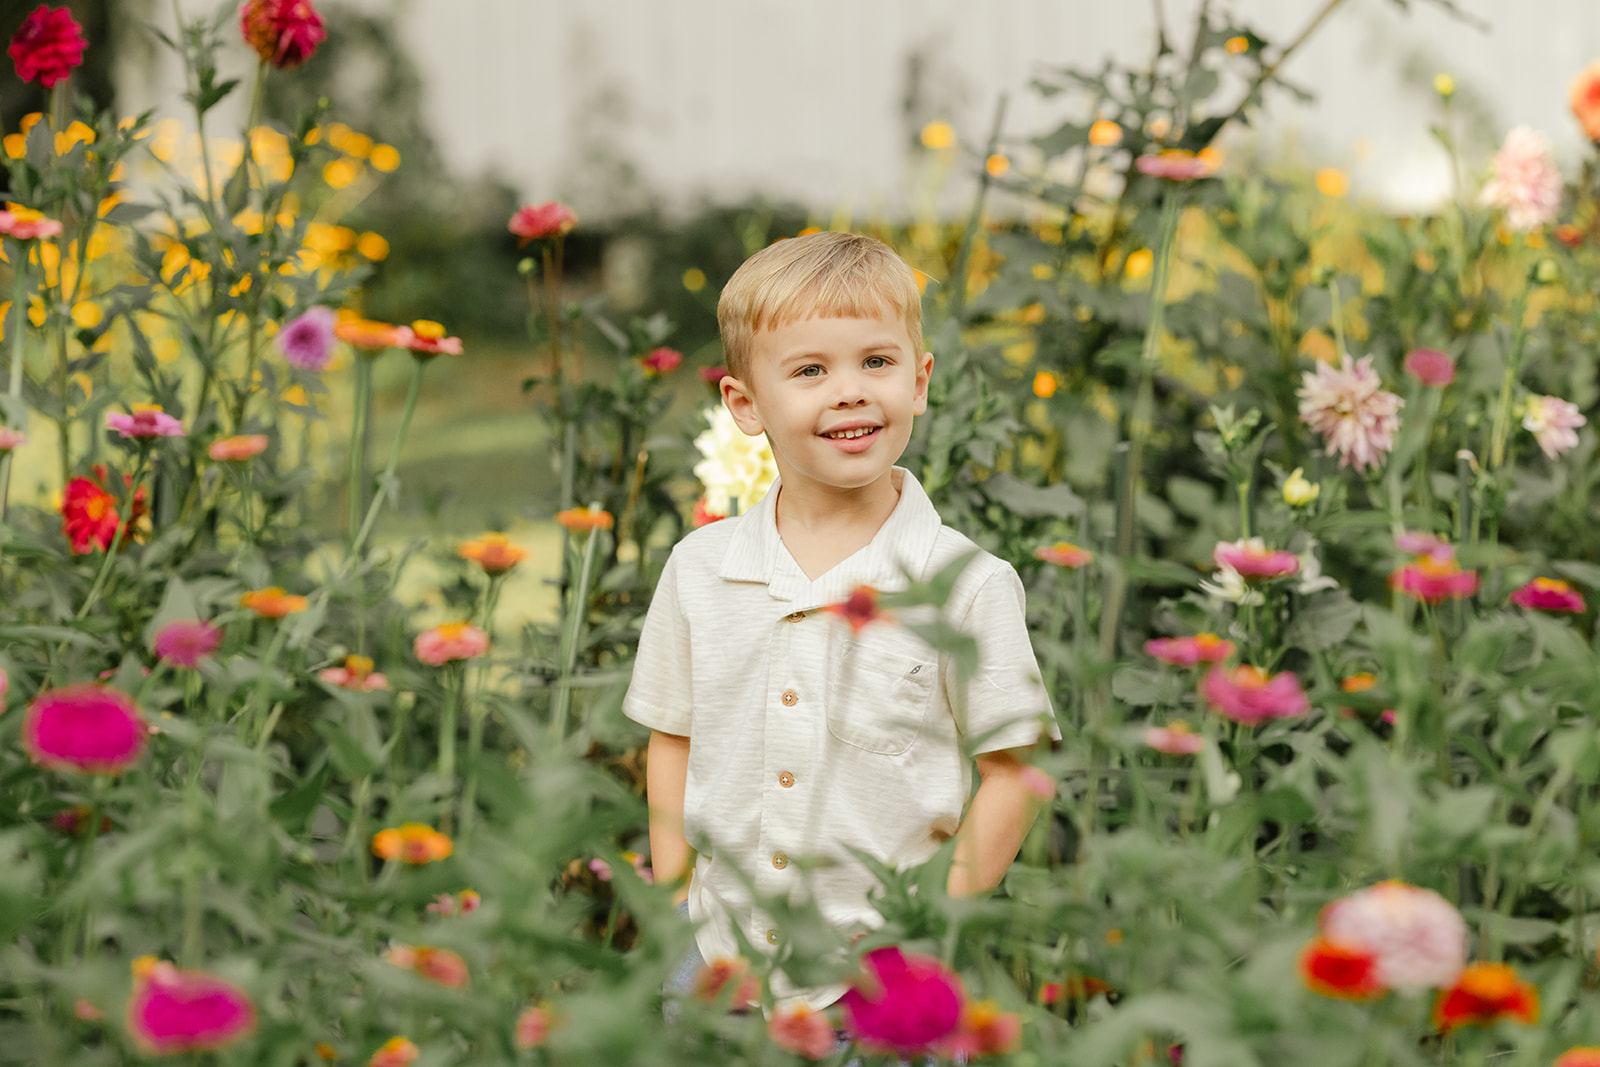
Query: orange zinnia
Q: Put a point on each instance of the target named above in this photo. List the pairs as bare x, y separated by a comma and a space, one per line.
376, 336
1585, 99
494, 552
859, 609
584, 519
272, 602
236, 448
1486, 993
411, 842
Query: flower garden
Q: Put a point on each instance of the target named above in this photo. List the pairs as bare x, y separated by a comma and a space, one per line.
1301, 495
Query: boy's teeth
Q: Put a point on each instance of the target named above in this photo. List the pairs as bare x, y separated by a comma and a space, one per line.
847, 434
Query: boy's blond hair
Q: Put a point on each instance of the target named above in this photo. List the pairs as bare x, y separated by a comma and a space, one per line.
838, 275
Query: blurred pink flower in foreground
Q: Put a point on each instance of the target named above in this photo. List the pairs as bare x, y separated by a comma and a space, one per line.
1175, 739
306, 341
1554, 423
1430, 366
173, 1011
17, 224
1187, 651
802, 1031
234, 449
145, 421
1253, 560
453, 640
186, 642
1349, 407
90, 728
1176, 165
438, 965
542, 220
902, 1004
1435, 578
1548, 594
985, 1031
1250, 696
1418, 543
356, 675
10, 439
395, 1052
1063, 554
662, 360
1417, 937
1526, 183
532, 1028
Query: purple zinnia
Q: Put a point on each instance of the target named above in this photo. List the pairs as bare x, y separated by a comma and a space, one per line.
307, 341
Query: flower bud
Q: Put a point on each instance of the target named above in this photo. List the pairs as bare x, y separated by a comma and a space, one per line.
1298, 491
525, 266
1545, 272
1444, 85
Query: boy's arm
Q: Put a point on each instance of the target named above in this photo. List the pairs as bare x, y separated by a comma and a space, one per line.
666, 771
996, 823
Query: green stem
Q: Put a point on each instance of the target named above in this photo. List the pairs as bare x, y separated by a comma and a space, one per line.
356, 460
577, 610
19, 322
410, 409
116, 539
1502, 410
447, 734
1337, 317
263, 689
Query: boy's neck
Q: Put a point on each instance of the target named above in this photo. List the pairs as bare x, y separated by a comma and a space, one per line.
824, 525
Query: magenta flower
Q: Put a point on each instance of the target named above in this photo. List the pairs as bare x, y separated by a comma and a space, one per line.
307, 340
1349, 407
1175, 165
1250, 696
1417, 937
1187, 651
713, 375
662, 360
175, 1011
1548, 594
91, 728
144, 422
534, 221
1554, 423
1430, 366
186, 642
1526, 182
1434, 578
601, 869
902, 1004
1175, 739
1254, 561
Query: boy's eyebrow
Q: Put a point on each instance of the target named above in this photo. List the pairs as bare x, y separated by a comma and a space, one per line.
887, 343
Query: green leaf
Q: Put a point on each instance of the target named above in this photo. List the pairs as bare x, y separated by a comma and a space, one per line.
1032, 501
1326, 623
294, 808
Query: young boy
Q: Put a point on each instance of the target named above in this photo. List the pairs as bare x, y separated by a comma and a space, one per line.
777, 733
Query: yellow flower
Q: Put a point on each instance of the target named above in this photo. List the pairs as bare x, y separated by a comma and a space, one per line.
86, 314
167, 349
372, 246
16, 145
1139, 263
413, 843
1235, 46
996, 165
1104, 134
1044, 384
1332, 182
694, 279
28, 121
384, 157
1444, 85
340, 173
938, 135
1298, 491
1043, 271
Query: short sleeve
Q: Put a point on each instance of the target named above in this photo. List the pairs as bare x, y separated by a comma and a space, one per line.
1006, 704
658, 695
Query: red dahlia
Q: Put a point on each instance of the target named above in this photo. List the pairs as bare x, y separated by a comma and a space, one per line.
47, 47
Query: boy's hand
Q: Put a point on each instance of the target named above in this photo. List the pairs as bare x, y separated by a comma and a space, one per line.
666, 770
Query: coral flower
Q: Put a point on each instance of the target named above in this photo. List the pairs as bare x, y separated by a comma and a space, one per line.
1105, 133
1434, 579
272, 602
428, 339
580, 520
803, 1031
145, 421
15, 224
1585, 99
437, 965
1417, 937
88, 515
703, 515
1342, 971
1175, 739
465, 904
356, 675
1063, 554
902, 1004
1486, 993
542, 220
48, 46
452, 640
1176, 165
91, 728
1554, 423
713, 375
859, 609
245, 446
985, 1031
395, 1052
173, 1011
1526, 182
1349, 407
1253, 560
1250, 696
661, 361
728, 973
11, 439
413, 842
284, 33
1187, 651
532, 1027
372, 336
1584, 1055
1548, 594
494, 552
186, 642
1430, 366
306, 340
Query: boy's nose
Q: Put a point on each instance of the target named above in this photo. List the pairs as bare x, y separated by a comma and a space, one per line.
851, 392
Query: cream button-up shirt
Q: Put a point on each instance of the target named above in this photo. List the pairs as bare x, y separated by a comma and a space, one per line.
806, 741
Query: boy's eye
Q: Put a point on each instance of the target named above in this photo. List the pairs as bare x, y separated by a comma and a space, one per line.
811, 370
875, 362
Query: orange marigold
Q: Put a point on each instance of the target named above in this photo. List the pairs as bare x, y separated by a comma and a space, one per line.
584, 519
494, 552
272, 602
411, 842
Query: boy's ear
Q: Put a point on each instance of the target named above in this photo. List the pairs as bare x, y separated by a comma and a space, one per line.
919, 403
741, 403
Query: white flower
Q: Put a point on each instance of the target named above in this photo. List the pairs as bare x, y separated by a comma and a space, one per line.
736, 466
1418, 937
1229, 584
1312, 580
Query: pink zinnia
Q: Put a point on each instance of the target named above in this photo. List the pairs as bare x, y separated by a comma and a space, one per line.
803, 1031
1187, 651
1250, 696
532, 1028
902, 1004
1254, 561
1063, 554
1548, 594
11, 439
1417, 937
47, 46
662, 360
356, 675
284, 33
438, 965
395, 1052
26, 229
1175, 739
713, 375
1349, 407
145, 421
186, 642
85, 727
1175, 165
1526, 182
1430, 366
1418, 543
453, 640
1554, 423
1435, 578
175, 1011
307, 340
226, 449
542, 220
985, 1031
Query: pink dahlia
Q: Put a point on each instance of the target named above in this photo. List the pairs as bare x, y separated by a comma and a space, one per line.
284, 33
48, 46
1175, 739
803, 1031
145, 421
542, 220
1349, 407
453, 640
1253, 560
1417, 937
186, 642
1250, 696
1430, 366
1554, 423
902, 1004
306, 341
1548, 594
1526, 183
1187, 651
1433, 579
91, 728
175, 1011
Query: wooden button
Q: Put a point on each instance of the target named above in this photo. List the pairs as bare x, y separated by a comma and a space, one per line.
779, 860
786, 779
790, 698
772, 937
795, 616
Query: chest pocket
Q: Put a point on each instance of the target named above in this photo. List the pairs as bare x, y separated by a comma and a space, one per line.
879, 701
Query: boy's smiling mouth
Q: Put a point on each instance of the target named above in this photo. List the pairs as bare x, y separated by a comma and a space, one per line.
852, 438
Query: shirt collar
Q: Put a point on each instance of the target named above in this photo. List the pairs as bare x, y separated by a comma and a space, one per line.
903, 543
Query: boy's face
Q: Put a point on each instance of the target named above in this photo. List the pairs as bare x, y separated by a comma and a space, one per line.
835, 397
